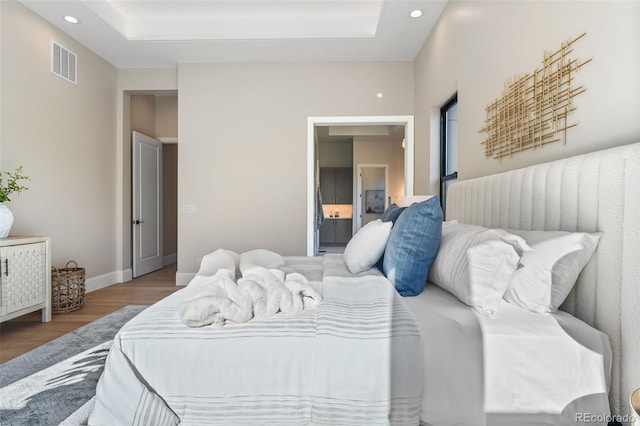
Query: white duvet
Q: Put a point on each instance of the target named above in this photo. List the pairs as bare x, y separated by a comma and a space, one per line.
356, 359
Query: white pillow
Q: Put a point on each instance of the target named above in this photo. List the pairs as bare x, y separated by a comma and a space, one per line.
475, 264
367, 246
219, 259
550, 271
260, 257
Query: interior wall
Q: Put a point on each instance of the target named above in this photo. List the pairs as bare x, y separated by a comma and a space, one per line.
166, 116
243, 158
167, 127
143, 114
64, 135
476, 47
170, 198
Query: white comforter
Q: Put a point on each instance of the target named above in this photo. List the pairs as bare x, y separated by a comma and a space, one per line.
356, 359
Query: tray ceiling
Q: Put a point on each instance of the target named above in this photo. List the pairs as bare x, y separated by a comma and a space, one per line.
163, 33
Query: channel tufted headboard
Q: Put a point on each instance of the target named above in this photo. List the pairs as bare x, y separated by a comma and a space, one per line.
599, 191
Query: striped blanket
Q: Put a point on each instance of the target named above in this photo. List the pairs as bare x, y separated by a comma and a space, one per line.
355, 360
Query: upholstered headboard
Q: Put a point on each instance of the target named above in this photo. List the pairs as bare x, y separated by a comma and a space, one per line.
599, 191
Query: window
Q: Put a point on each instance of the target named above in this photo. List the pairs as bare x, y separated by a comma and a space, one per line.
448, 147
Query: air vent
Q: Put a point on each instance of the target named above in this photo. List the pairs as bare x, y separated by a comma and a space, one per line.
63, 62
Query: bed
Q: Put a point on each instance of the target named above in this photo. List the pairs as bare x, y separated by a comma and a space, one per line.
432, 359
597, 191
311, 368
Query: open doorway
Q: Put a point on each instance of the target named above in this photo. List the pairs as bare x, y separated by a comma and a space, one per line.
154, 114
372, 193
362, 131
335, 175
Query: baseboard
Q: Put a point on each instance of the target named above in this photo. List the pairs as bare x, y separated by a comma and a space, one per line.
126, 275
183, 278
105, 280
169, 259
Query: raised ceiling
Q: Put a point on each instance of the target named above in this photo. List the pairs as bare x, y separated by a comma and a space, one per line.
164, 33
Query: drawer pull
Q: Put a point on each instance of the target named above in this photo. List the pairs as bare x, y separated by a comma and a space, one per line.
6, 267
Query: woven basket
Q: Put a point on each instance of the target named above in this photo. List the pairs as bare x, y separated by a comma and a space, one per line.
67, 288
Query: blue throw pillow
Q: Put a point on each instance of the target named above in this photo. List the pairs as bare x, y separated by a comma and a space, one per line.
392, 213
412, 246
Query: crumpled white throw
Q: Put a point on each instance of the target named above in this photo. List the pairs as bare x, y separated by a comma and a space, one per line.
271, 292
217, 299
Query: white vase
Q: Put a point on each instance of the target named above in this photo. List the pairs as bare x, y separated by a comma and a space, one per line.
634, 401
6, 220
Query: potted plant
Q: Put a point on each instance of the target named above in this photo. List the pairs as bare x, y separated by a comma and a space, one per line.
9, 186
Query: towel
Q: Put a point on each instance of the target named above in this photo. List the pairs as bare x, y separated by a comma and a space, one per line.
214, 300
217, 299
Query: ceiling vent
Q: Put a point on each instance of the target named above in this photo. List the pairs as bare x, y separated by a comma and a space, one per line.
63, 62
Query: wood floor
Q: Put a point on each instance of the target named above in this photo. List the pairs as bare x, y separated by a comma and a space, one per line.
27, 332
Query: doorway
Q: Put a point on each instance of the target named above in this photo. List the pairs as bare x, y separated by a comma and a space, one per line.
314, 208
372, 193
155, 114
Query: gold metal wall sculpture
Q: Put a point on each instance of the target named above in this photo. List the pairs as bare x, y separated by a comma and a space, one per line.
534, 108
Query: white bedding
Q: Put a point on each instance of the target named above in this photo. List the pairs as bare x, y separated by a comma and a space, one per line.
337, 364
517, 368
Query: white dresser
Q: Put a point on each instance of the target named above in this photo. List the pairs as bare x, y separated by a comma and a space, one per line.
25, 277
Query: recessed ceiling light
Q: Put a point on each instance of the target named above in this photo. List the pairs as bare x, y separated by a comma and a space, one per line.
379, 95
71, 19
416, 13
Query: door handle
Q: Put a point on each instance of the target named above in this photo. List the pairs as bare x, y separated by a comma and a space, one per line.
137, 222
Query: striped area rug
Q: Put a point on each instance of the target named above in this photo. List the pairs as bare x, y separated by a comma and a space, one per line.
55, 383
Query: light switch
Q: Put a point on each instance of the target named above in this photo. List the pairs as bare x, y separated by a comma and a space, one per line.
189, 208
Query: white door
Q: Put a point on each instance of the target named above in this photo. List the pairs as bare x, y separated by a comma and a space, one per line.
147, 204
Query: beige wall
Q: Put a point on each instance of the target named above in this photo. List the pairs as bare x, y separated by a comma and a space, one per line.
166, 116
64, 136
170, 198
143, 114
167, 127
476, 46
243, 145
